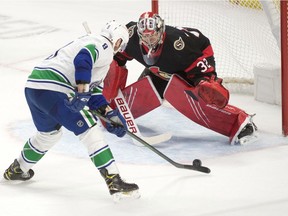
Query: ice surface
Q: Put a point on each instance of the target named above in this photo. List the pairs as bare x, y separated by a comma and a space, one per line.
245, 180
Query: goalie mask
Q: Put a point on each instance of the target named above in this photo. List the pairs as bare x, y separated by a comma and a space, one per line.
150, 29
114, 31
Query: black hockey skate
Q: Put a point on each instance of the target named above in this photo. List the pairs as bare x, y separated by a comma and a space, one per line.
247, 134
118, 188
14, 172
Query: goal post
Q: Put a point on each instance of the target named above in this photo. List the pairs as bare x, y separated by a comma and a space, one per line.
243, 37
284, 65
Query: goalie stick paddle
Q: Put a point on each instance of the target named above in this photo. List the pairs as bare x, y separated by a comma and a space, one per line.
126, 113
196, 165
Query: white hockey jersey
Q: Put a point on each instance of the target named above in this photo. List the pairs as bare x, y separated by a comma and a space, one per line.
57, 72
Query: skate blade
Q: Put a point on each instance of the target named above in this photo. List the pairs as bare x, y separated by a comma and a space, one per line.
248, 139
118, 197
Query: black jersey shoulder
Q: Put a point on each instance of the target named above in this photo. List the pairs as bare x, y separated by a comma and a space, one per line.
190, 36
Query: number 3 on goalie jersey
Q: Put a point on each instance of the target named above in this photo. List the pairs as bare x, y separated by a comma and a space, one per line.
204, 65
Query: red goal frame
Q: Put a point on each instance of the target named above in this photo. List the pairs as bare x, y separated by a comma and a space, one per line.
284, 65
284, 59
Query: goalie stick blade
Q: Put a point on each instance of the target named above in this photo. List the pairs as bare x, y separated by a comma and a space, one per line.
154, 140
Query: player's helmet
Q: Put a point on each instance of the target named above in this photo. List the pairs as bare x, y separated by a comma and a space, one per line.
114, 31
150, 28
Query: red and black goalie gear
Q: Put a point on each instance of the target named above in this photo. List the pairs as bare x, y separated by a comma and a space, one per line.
115, 79
212, 91
227, 121
141, 97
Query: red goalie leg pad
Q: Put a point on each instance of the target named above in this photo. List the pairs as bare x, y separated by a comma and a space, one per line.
213, 92
141, 97
184, 98
114, 80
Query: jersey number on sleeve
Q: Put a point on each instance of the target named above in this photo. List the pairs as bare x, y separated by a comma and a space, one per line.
204, 65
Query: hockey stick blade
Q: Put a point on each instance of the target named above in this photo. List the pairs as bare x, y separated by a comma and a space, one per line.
178, 165
198, 168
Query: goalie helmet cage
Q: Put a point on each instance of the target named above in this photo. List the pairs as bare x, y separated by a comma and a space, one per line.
240, 35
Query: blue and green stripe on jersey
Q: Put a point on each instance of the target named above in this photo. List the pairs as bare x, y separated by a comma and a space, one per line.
49, 75
94, 53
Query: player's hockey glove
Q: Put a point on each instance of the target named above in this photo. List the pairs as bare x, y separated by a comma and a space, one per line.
119, 129
78, 102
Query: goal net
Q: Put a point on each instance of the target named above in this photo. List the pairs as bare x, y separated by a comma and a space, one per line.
245, 34
240, 33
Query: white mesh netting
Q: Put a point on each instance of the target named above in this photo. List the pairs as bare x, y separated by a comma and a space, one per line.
239, 32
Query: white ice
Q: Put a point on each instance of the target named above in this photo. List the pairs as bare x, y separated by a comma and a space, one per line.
244, 180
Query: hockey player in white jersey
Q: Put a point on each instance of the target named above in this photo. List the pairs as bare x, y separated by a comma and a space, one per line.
60, 92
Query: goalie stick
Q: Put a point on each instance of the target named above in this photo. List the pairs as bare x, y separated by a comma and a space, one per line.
196, 165
131, 124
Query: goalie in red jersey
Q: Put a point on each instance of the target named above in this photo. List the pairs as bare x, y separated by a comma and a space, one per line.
180, 63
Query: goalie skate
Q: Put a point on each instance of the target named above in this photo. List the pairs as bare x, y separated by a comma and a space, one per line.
248, 134
248, 139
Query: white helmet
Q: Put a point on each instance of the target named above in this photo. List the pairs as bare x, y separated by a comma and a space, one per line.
114, 31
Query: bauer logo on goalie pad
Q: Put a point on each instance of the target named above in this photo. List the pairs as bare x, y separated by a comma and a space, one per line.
126, 114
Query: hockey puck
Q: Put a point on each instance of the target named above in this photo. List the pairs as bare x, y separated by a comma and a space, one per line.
197, 162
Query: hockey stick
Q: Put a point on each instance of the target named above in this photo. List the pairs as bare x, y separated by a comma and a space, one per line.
87, 29
126, 113
196, 165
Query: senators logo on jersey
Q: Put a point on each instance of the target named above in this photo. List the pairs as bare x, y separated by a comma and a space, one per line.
159, 73
131, 30
179, 44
